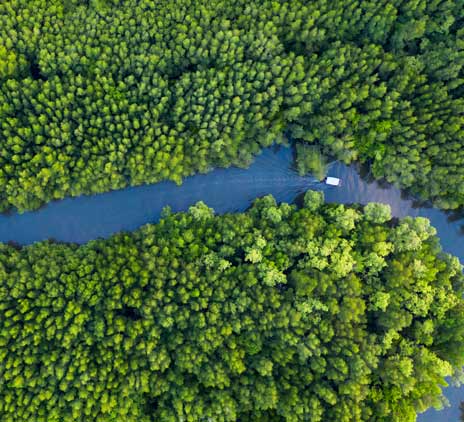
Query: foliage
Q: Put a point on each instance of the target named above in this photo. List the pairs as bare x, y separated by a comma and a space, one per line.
313, 200
377, 213
100, 94
253, 317
310, 160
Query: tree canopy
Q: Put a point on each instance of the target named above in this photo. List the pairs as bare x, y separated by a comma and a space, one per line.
320, 313
100, 94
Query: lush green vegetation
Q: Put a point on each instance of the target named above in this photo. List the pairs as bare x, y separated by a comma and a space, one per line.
319, 313
310, 160
96, 95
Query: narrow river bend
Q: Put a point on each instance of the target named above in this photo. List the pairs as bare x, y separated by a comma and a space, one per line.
226, 190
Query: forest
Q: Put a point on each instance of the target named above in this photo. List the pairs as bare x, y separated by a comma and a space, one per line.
101, 94
319, 312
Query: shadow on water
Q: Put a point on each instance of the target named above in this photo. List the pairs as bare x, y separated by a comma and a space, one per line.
81, 219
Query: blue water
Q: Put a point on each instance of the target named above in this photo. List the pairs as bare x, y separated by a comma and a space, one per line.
226, 190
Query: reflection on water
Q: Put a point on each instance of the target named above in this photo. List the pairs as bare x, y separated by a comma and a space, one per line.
226, 190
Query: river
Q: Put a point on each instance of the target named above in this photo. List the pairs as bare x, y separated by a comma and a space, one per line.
226, 190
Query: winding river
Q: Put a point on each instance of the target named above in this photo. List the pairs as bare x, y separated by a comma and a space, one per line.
226, 190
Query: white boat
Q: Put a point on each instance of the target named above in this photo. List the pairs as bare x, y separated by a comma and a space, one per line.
333, 181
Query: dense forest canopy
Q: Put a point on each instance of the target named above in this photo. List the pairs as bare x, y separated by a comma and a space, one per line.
99, 94
320, 313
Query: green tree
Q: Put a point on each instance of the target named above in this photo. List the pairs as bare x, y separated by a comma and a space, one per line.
237, 316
